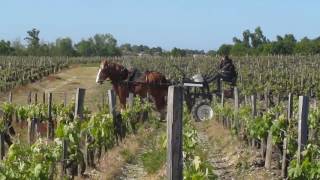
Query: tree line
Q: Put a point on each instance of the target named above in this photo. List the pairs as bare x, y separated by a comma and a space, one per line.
256, 43
251, 43
98, 45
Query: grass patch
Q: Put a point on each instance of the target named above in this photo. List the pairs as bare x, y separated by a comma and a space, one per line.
128, 156
155, 157
153, 160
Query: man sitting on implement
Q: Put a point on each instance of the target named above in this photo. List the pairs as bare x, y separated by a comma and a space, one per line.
227, 73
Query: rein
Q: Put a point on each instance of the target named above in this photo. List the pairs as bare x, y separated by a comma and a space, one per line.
144, 83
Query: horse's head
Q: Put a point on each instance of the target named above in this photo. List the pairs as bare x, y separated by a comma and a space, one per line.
104, 72
114, 72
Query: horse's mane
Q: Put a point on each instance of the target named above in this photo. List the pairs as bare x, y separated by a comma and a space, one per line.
117, 71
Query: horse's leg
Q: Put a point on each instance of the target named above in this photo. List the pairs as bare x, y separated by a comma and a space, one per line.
123, 102
161, 108
140, 90
123, 94
160, 102
159, 97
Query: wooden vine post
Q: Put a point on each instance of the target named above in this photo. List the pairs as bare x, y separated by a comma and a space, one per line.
254, 105
267, 163
266, 98
117, 122
174, 133
44, 97
78, 115
31, 130
89, 152
112, 110
290, 107
222, 101
254, 114
285, 162
236, 123
264, 139
269, 149
112, 102
302, 125
10, 100
31, 123
36, 98
64, 158
29, 98
37, 120
50, 131
2, 146
10, 97
79, 106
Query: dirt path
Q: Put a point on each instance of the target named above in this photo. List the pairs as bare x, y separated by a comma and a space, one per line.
230, 157
124, 162
64, 82
222, 168
133, 170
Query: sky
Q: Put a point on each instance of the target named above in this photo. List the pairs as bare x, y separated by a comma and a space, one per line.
192, 24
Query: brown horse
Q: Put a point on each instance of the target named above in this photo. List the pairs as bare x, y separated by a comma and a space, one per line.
149, 82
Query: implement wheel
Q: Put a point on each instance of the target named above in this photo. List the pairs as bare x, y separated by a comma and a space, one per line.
202, 110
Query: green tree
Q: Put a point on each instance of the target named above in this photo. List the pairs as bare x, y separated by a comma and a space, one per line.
225, 49
85, 48
176, 52
236, 40
105, 45
284, 45
307, 46
266, 49
257, 38
33, 41
19, 48
5, 48
239, 49
45, 50
140, 49
156, 51
212, 53
136, 49
246, 38
126, 48
64, 47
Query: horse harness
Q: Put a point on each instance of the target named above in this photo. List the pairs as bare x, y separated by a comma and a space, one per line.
135, 78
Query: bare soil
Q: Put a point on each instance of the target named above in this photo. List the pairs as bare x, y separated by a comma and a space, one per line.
230, 157
113, 164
